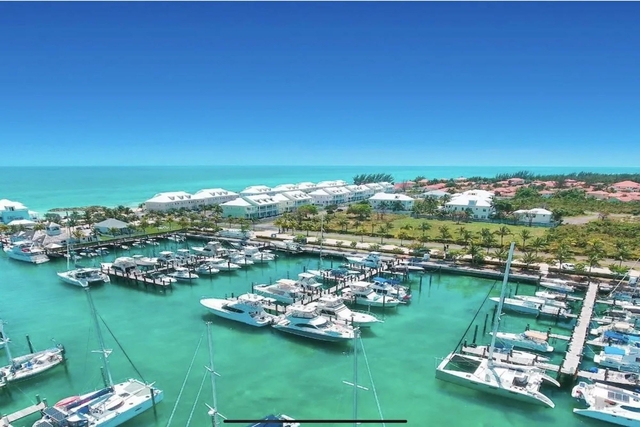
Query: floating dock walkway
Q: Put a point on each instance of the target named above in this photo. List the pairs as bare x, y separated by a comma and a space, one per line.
7, 420
137, 278
571, 362
507, 358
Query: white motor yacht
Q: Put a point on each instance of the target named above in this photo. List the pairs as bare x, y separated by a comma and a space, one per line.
384, 287
518, 305
557, 285
372, 260
84, 276
542, 301
26, 251
247, 308
145, 260
183, 274
333, 307
211, 249
608, 403
240, 259
168, 257
207, 269
530, 340
253, 253
362, 294
620, 327
306, 322
622, 358
283, 291
308, 281
223, 264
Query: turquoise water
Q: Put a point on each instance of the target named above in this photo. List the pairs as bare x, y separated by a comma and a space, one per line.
44, 188
262, 371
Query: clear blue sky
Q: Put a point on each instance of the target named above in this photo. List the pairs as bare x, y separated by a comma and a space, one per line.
320, 83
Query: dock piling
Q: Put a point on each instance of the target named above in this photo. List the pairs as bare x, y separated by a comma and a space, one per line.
484, 328
30, 346
475, 334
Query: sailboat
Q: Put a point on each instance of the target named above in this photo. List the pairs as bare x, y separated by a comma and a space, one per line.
29, 365
269, 420
82, 276
110, 406
490, 376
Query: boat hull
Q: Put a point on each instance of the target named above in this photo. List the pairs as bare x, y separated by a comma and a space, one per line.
215, 308
609, 418
466, 380
317, 337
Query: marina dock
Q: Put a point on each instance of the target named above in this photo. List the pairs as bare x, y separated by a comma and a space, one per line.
507, 358
571, 362
7, 420
137, 279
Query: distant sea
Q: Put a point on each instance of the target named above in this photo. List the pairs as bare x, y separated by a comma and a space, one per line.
45, 188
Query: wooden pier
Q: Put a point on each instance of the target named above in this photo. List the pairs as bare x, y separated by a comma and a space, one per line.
433, 267
7, 420
137, 278
571, 362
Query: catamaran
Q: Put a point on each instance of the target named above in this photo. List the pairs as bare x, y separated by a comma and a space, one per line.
490, 376
110, 406
608, 403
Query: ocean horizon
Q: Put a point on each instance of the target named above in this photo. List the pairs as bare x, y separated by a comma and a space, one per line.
42, 188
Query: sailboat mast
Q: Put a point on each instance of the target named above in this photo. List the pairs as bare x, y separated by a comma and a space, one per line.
356, 333
103, 350
3, 335
68, 240
214, 418
501, 302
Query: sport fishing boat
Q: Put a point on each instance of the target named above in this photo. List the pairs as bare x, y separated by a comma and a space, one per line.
283, 291
333, 307
372, 260
383, 286
84, 276
305, 321
183, 274
145, 261
557, 285
207, 269
247, 308
362, 294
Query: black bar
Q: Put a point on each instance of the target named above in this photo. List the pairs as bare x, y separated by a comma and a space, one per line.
316, 421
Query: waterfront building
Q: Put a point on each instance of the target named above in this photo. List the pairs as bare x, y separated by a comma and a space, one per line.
397, 202
359, 193
256, 190
110, 224
331, 184
284, 187
170, 200
285, 204
300, 198
534, 216
213, 196
252, 207
330, 196
306, 186
478, 202
12, 211
434, 194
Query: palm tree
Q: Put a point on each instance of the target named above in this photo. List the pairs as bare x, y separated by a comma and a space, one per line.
476, 252
529, 258
622, 252
344, 224
501, 254
424, 227
382, 208
502, 232
563, 253
538, 244
524, 235
445, 234
403, 236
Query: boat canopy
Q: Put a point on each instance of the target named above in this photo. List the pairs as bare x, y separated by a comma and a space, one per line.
614, 351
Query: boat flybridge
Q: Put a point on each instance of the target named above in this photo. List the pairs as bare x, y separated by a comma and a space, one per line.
211, 249
284, 290
487, 375
608, 403
26, 251
361, 293
144, 261
333, 307
372, 260
247, 308
305, 321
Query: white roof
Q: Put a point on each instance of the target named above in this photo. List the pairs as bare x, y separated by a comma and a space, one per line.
375, 186
357, 188
237, 202
534, 211
337, 183
319, 193
213, 192
336, 190
256, 189
279, 197
261, 199
172, 196
22, 222
296, 195
306, 185
463, 200
391, 197
5, 204
285, 187
479, 193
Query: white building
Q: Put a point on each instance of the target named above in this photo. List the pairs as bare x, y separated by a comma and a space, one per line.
331, 184
359, 193
330, 196
479, 202
12, 211
238, 208
300, 198
392, 201
170, 200
214, 196
377, 188
534, 216
306, 186
387, 187
285, 204
284, 187
256, 190
251, 207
